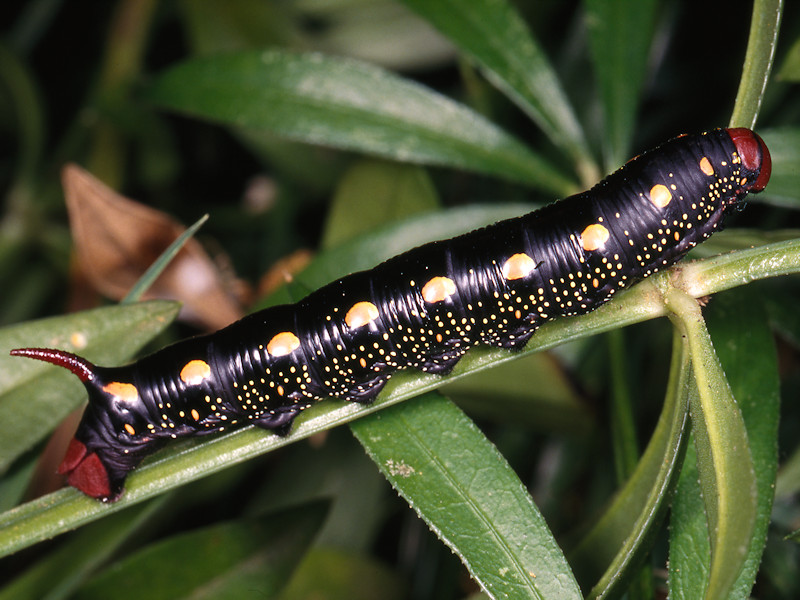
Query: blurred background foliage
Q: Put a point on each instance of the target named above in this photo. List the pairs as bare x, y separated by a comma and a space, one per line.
83, 83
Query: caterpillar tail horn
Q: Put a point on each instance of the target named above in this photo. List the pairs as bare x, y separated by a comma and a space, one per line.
86, 465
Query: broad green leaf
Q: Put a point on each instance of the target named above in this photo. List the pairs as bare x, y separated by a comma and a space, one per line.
34, 396
228, 560
350, 105
494, 35
375, 193
469, 496
725, 463
620, 67
605, 556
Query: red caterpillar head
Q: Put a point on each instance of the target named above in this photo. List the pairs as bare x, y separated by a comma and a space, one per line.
99, 457
755, 157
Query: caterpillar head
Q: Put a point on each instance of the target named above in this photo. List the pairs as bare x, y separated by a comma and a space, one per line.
105, 447
755, 157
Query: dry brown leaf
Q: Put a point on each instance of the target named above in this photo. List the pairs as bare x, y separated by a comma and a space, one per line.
117, 239
283, 271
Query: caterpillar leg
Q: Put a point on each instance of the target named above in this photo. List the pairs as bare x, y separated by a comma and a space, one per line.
444, 363
280, 422
365, 393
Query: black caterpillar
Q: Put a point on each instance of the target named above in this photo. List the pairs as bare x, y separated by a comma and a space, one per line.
422, 309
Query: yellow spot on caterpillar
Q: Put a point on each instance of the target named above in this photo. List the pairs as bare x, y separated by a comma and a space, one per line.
129, 428
705, 167
660, 196
363, 362
283, 343
195, 414
438, 289
518, 266
195, 372
594, 237
360, 314
124, 391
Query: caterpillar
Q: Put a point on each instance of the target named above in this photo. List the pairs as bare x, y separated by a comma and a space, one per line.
422, 309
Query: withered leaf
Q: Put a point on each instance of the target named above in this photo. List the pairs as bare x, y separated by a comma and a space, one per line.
117, 239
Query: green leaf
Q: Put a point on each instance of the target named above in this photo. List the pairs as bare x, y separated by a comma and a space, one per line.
784, 185
790, 69
689, 548
494, 35
148, 277
58, 574
623, 534
725, 464
620, 67
34, 396
335, 574
375, 193
350, 105
228, 560
470, 497
746, 349
554, 408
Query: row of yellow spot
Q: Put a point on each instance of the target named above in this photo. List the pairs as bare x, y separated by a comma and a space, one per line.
437, 289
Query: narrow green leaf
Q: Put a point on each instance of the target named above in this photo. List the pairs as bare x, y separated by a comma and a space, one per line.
790, 69
351, 105
784, 185
34, 396
470, 497
620, 67
788, 482
702, 278
689, 545
228, 560
152, 273
725, 463
376, 193
336, 574
622, 536
59, 573
555, 408
761, 46
23, 106
746, 349
623, 429
494, 35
